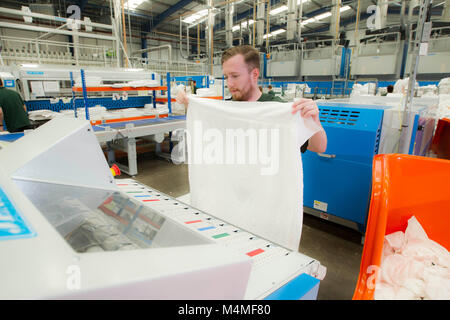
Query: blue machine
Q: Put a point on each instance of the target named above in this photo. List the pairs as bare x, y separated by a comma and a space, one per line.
200, 81
337, 183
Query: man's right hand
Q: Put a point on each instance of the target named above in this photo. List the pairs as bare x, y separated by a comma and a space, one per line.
182, 98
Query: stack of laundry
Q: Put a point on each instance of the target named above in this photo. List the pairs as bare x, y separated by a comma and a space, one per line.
136, 84
41, 115
413, 267
444, 86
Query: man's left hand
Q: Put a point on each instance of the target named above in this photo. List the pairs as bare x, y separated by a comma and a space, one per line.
307, 108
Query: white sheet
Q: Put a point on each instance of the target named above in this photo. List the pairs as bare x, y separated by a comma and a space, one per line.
259, 186
413, 266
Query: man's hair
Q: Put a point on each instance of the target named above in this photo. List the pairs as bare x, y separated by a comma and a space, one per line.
390, 88
1, 82
251, 55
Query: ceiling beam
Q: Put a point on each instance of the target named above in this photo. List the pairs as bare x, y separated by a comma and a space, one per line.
165, 14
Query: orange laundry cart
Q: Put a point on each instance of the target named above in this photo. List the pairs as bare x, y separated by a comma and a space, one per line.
403, 186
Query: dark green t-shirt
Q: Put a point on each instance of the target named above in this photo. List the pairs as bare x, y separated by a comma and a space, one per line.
270, 97
13, 111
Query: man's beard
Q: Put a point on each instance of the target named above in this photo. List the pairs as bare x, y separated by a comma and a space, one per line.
239, 96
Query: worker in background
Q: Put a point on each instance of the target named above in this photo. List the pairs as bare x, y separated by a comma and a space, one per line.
13, 110
193, 86
270, 90
240, 67
389, 89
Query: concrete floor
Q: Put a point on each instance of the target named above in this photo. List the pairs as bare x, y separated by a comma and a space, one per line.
336, 247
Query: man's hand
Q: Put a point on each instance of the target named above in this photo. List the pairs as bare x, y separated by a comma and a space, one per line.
307, 108
182, 98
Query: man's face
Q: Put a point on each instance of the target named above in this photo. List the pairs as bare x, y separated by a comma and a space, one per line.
240, 80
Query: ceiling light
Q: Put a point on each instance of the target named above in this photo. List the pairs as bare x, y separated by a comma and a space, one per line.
345, 8
278, 31
133, 4
322, 16
30, 65
278, 10
243, 24
134, 70
274, 33
196, 16
308, 21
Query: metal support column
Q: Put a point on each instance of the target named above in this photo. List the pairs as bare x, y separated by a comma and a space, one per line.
423, 31
85, 98
154, 93
73, 95
169, 98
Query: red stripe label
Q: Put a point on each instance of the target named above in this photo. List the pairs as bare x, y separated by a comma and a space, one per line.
193, 221
254, 252
150, 200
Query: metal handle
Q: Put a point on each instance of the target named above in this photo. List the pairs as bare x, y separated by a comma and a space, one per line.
326, 155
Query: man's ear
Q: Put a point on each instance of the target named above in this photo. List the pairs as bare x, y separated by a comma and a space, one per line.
255, 73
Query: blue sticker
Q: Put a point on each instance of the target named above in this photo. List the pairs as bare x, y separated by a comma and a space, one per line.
12, 225
9, 83
35, 72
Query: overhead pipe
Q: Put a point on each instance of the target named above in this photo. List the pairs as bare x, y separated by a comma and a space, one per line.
268, 25
50, 30
181, 42
187, 39
254, 23
124, 34
52, 18
198, 41
300, 20
168, 46
292, 17
229, 12
210, 35
116, 22
260, 22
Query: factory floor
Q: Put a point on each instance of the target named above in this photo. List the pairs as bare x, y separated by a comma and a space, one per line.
337, 247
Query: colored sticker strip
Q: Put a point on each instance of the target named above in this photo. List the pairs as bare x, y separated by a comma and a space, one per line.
193, 221
254, 252
218, 236
206, 228
12, 225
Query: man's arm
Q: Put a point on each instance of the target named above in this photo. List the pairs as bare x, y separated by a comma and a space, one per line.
1, 119
182, 98
318, 142
308, 108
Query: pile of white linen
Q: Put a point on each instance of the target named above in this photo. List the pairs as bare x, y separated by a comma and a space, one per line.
413, 267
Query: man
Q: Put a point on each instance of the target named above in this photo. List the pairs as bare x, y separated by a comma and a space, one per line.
270, 90
240, 67
13, 110
389, 89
